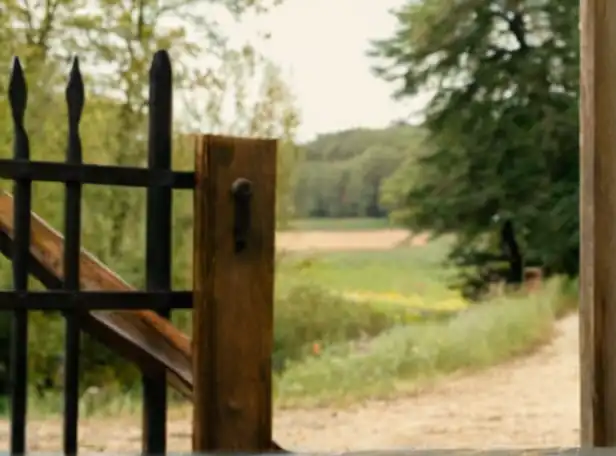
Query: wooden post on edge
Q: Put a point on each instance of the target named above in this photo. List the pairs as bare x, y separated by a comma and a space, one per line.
234, 287
598, 223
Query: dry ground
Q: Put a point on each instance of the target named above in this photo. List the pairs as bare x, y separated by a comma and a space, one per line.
530, 402
346, 240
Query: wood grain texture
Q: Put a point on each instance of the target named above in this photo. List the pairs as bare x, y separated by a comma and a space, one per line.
233, 304
598, 222
141, 336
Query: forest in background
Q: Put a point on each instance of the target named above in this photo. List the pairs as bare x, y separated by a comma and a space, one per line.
342, 174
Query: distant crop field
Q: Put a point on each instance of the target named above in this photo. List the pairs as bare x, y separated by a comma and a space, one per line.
315, 241
395, 274
352, 234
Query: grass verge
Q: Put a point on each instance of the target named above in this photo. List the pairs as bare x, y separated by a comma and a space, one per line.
404, 357
309, 318
407, 271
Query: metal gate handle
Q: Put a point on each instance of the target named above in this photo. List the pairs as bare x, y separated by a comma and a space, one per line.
242, 195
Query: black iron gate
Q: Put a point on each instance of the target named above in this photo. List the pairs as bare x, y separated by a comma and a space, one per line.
65, 294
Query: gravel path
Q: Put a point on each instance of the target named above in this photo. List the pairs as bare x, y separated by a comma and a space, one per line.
302, 241
531, 402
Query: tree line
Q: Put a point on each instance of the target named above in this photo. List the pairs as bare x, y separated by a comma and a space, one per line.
341, 174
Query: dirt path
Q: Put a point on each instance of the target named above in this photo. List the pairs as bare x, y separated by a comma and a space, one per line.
531, 402
301, 241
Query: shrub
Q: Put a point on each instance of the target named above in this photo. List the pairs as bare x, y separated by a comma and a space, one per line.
308, 314
477, 337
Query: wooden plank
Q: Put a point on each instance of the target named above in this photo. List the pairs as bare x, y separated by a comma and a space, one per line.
479, 452
140, 335
233, 303
598, 223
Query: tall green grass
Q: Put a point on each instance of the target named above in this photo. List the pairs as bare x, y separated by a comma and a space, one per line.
309, 315
405, 356
312, 303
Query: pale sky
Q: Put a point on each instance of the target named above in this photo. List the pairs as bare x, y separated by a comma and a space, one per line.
321, 45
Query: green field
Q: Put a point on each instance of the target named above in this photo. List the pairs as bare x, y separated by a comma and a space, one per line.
335, 297
386, 321
409, 270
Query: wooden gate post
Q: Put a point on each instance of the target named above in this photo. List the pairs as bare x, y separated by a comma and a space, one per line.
598, 222
233, 286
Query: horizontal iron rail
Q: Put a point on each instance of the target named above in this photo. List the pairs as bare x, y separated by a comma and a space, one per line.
95, 174
94, 300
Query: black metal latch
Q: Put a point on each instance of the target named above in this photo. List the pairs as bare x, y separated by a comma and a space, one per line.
242, 196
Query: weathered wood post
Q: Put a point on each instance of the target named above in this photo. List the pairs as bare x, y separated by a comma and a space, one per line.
598, 222
233, 286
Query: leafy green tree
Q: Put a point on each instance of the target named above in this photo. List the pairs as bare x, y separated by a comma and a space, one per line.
342, 173
502, 124
373, 167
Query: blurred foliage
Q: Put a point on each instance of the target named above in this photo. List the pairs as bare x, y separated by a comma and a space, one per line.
342, 173
115, 42
502, 127
352, 296
309, 315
